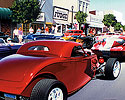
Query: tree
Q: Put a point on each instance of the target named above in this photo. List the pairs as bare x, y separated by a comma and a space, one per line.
81, 17
123, 27
118, 26
109, 20
25, 11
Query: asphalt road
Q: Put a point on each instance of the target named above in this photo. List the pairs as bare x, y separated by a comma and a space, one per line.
99, 89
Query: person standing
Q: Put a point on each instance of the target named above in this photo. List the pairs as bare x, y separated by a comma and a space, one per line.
42, 30
50, 30
46, 30
31, 30
53, 29
20, 35
38, 32
16, 35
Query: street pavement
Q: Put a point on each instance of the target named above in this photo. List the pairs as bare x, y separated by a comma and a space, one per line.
100, 89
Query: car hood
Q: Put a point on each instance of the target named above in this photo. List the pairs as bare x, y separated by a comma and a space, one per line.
16, 67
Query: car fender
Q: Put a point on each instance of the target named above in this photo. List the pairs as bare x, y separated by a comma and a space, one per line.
27, 91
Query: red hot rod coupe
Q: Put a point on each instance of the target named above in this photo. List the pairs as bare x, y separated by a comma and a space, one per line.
49, 70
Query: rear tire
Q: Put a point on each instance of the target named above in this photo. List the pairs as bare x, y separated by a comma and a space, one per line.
49, 89
112, 68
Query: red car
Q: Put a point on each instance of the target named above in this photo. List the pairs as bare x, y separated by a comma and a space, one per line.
74, 33
110, 47
49, 70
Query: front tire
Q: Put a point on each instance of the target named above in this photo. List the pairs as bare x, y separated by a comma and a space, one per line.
112, 68
49, 89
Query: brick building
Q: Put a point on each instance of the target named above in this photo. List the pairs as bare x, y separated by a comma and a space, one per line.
6, 3
5, 21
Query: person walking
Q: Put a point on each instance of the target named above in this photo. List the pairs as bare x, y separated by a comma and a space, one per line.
16, 35
20, 35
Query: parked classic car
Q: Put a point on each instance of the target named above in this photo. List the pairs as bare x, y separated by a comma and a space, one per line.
7, 48
73, 32
50, 70
69, 33
101, 36
110, 47
42, 36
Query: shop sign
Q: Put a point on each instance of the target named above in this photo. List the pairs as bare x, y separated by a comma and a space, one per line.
60, 13
95, 19
41, 17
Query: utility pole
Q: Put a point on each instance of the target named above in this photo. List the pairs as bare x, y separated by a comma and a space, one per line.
72, 16
42, 2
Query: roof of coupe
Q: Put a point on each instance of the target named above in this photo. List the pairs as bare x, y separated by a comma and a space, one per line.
55, 48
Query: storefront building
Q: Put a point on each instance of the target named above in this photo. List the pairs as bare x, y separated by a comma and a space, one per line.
61, 14
94, 20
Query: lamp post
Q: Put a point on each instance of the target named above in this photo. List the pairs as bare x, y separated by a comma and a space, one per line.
72, 15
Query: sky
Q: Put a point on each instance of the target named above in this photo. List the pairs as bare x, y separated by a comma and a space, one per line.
100, 5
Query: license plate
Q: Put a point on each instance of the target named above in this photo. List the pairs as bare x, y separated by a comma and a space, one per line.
10, 96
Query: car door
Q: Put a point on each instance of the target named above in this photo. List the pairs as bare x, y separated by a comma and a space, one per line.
82, 67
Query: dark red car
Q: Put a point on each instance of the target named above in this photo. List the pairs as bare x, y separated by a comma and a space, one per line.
49, 70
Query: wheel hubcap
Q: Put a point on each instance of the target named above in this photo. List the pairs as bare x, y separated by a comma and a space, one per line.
116, 69
55, 94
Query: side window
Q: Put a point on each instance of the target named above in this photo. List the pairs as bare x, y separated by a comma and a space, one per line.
39, 47
77, 51
76, 32
80, 31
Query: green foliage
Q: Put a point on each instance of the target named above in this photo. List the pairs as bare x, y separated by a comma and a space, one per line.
25, 11
118, 26
81, 17
109, 20
123, 27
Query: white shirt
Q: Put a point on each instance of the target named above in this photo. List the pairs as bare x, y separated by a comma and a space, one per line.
31, 30
15, 32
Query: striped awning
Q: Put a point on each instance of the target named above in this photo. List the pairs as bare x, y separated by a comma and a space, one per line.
5, 13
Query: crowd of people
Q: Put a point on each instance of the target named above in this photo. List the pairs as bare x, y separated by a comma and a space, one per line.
42, 30
18, 33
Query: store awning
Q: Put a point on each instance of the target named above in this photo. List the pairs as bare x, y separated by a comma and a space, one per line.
5, 13
49, 23
61, 22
